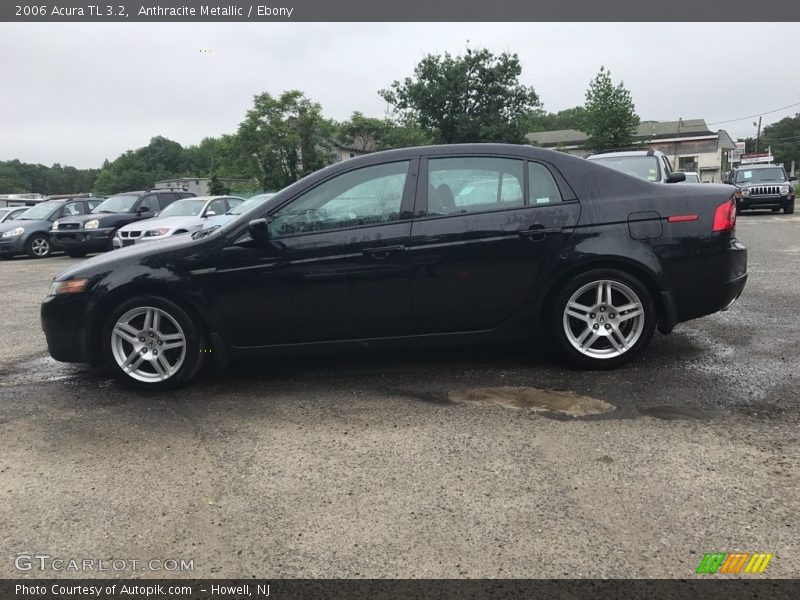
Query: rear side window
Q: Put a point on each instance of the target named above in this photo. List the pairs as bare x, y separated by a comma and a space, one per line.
542, 186
165, 200
469, 184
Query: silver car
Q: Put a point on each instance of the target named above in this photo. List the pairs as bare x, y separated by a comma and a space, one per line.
183, 216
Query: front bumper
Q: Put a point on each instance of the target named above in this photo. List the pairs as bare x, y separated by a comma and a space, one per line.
748, 202
91, 240
12, 246
63, 320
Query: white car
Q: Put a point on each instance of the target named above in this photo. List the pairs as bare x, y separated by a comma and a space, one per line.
183, 216
214, 223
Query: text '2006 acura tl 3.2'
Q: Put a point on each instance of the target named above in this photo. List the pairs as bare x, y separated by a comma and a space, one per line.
483, 242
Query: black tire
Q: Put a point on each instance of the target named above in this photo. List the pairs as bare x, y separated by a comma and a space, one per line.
76, 252
193, 358
776, 209
38, 246
789, 208
640, 328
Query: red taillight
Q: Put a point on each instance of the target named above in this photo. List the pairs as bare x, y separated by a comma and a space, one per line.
725, 216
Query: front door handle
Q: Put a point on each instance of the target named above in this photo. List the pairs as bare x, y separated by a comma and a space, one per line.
383, 252
537, 233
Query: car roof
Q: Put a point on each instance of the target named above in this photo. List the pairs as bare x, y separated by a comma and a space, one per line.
757, 166
624, 153
205, 198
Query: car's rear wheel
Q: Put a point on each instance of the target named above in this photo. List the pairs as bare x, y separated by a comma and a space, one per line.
38, 246
152, 343
76, 252
603, 318
789, 208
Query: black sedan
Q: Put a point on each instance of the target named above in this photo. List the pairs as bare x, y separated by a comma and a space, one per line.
484, 242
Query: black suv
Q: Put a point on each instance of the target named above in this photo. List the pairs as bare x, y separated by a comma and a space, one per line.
94, 232
763, 186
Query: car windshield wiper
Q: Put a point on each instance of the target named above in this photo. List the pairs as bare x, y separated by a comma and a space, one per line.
106, 212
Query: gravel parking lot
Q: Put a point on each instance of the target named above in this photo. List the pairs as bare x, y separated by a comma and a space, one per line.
405, 465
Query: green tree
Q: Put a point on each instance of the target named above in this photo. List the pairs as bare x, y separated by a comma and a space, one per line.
569, 118
783, 137
370, 134
283, 139
217, 187
610, 119
472, 98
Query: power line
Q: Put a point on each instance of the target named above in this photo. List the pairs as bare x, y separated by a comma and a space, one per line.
755, 115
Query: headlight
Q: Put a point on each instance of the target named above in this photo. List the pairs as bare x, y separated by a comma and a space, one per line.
55, 225
745, 192
784, 190
13, 232
156, 232
70, 286
93, 224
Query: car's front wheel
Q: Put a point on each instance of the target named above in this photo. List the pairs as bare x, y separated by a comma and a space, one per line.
789, 208
38, 246
151, 342
603, 318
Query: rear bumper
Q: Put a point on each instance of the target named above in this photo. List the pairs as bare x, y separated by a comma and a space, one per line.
724, 281
87, 239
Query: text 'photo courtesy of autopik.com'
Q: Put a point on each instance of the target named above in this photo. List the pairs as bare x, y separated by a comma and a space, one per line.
344, 299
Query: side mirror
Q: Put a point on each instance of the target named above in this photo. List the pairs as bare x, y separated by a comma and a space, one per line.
143, 209
210, 213
728, 181
676, 177
259, 230
792, 178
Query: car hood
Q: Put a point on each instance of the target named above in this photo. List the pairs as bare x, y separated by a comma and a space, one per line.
169, 222
138, 253
27, 225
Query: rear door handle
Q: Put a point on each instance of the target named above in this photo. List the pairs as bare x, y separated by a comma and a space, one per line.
382, 252
537, 233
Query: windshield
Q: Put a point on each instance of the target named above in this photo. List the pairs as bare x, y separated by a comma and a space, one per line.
116, 204
184, 208
760, 175
242, 208
40, 211
641, 167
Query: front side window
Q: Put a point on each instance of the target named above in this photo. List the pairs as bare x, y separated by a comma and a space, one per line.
368, 196
217, 207
73, 208
469, 184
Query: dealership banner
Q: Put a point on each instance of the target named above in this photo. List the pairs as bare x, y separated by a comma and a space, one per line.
281, 11
297, 589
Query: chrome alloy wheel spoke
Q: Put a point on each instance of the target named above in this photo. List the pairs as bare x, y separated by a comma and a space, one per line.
148, 344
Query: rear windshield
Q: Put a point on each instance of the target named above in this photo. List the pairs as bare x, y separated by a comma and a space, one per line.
760, 175
641, 167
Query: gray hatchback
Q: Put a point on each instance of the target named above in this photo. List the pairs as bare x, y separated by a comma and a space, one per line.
28, 233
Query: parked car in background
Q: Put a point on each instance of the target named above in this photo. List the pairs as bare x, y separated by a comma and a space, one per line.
29, 232
763, 186
212, 224
11, 212
180, 217
649, 165
379, 251
79, 235
691, 177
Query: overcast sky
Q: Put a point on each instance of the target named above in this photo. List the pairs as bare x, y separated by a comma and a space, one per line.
77, 94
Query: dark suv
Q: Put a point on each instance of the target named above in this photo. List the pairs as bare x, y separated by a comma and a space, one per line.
763, 186
94, 232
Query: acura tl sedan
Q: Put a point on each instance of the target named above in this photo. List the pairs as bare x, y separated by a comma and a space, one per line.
387, 250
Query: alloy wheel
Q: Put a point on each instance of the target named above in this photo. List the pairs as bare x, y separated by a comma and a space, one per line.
148, 344
603, 319
40, 247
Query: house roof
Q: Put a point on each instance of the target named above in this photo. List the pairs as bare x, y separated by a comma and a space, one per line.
646, 131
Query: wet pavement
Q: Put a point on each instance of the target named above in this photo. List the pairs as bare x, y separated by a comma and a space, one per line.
467, 462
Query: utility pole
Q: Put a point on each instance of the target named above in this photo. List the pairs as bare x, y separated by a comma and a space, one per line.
758, 135
680, 122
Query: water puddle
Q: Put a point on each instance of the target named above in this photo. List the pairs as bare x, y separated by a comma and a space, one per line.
39, 370
566, 403
671, 413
